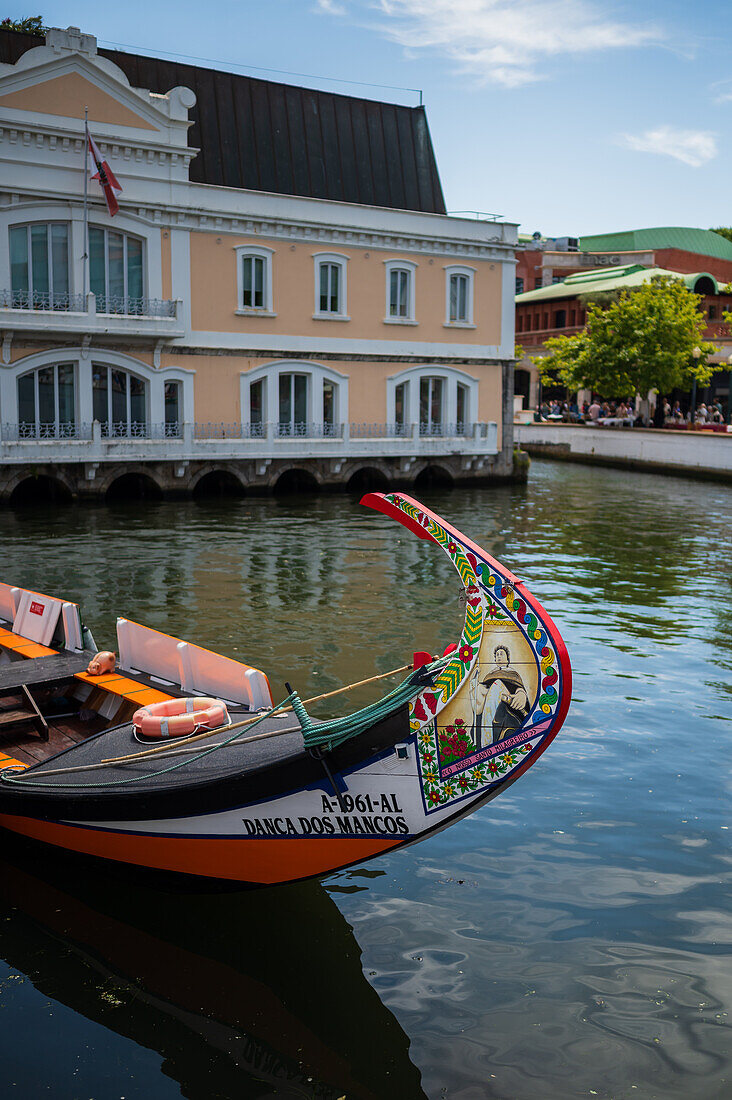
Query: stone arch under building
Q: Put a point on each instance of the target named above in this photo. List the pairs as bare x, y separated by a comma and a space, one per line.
40, 489
133, 485
434, 476
295, 480
367, 479
218, 483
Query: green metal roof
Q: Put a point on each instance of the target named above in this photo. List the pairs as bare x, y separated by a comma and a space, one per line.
702, 241
603, 278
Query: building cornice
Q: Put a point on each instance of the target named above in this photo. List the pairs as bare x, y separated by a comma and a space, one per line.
67, 139
175, 216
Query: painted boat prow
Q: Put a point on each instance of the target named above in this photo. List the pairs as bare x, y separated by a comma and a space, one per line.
497, 602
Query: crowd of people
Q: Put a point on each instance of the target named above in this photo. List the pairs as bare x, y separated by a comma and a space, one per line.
703, 414
664, 415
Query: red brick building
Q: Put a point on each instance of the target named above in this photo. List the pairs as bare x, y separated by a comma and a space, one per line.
553, 276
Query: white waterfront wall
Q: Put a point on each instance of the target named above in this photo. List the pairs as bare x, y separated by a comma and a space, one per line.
700, 452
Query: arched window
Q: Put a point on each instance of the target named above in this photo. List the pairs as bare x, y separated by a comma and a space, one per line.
440, 400
119, 401
47, 403
116, 274
294, 399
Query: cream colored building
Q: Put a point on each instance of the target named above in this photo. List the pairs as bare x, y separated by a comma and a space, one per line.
233, 332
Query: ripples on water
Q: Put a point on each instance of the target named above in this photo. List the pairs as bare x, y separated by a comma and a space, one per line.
570, 939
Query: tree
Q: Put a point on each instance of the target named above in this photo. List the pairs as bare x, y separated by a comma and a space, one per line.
32, 24
724, 231
642, 341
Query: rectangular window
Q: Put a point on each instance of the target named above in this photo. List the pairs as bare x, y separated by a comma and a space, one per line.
46, 395
253, 282
519, 286
459, 298
330, 288
172, 409
399, 293
46, 403
116, 274
462, 409
27, 400
39, 266
256, 406
293, 404
520, 323
119, 401
328, 405
65, 376
99, 394
400, 406
560, 318
430, 406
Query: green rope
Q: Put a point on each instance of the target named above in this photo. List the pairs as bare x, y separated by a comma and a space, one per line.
338, 730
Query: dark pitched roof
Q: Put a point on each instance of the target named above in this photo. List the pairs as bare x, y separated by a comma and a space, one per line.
265, 136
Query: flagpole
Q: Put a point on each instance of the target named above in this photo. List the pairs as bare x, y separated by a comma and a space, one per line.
85, 255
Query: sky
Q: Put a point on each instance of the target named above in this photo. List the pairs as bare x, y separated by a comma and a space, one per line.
569, 117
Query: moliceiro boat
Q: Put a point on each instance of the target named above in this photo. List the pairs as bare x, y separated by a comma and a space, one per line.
269, 794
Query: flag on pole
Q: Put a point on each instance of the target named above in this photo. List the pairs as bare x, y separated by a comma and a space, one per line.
104, 174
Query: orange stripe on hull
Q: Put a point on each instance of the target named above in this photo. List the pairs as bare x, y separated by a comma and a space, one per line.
242, 860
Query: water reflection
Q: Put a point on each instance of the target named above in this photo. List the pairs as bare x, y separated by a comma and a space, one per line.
241, 993
570, 939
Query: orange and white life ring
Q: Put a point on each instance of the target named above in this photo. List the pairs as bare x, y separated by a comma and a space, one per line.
178, 717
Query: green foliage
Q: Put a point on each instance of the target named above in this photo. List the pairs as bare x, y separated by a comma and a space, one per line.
642, 341
32, 24
724, 231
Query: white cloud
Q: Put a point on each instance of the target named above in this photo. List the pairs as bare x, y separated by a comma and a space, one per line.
500, 41
723, 93
692, 147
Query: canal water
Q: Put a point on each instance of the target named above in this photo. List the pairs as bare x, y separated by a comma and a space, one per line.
570, 939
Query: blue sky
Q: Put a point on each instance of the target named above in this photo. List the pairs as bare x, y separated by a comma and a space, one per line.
568, 116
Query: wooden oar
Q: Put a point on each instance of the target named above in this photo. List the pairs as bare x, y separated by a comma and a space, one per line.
248, 721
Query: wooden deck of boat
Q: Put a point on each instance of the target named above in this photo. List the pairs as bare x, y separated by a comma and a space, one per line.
24, 744
42, 672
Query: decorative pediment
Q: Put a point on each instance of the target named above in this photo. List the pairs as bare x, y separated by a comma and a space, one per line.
68, 95
66, 75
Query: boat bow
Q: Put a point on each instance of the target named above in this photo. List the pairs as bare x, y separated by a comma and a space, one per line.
503, 696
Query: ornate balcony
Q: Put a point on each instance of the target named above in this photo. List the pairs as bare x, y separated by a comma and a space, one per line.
108, 314
145, 442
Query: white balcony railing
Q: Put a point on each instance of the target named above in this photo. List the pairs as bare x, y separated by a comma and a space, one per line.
144, 441
24, 311
41, 300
